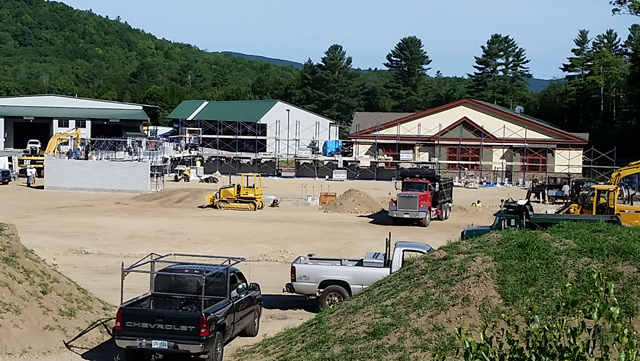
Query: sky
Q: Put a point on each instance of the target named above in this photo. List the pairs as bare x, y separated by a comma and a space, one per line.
452, 31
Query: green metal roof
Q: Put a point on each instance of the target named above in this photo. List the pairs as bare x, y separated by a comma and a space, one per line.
232, 111
66, 112
185, 109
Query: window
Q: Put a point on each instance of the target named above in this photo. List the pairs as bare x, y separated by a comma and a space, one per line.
238, 284
409, 256
414, 187
535, 160
463, 154
81, 123
63, 123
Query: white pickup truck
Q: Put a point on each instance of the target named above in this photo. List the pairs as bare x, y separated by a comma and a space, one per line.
334, 279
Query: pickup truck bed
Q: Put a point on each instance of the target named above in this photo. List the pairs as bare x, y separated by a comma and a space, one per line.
172, 303
191, 308
334, 279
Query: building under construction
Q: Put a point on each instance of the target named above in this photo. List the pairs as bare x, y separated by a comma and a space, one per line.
464, 139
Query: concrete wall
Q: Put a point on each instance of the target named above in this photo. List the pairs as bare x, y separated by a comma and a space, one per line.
96, 176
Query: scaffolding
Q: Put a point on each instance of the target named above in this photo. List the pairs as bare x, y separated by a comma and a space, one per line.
507, 154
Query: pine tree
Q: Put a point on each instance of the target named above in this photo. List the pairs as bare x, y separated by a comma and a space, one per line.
632, 39
607, 73
632, 46
331, 87
626, 6
576, 69
340, 87
408, 64
577, 65
501, 72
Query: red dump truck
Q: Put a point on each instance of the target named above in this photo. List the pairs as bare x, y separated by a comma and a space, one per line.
425, 195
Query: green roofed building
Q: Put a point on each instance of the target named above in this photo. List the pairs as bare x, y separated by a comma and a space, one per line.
253, 126
40, 116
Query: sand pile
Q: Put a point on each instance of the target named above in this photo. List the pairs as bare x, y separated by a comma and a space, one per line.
40, 307
169, 197
355, 202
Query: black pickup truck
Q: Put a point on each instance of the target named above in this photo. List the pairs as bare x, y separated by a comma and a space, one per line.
192, 307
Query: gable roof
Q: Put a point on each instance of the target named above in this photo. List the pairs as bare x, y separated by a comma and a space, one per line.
486, 106
231, 111
462, 121
67, 101
368, 120
60, 106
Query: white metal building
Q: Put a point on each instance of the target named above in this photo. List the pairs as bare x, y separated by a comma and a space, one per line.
269, 127
41, 116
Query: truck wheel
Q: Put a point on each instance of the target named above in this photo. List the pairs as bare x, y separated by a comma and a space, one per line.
332, 295
254, 326
216, 352
443, 212
447, 212
426, 220
133, 355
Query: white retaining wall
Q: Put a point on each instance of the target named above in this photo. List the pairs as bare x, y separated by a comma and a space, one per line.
96, 176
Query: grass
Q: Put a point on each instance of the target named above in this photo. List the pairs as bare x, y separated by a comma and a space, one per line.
412, 313
10, 259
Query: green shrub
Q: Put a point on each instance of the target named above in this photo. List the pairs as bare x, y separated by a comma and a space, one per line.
597, 332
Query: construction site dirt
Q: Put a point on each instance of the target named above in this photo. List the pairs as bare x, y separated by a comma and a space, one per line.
87, 236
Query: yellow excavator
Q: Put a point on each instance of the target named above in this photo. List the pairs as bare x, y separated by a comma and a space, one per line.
35, 157
603, 198
245, 196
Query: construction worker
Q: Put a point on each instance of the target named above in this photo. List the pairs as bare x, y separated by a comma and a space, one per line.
187, 174
31, 172
477, 204
566, 189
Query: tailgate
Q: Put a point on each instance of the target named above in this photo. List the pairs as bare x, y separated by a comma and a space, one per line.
160, 324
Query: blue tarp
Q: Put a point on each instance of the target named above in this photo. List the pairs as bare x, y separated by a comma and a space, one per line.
331, 148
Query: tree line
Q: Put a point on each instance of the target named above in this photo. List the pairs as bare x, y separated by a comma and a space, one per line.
49, 47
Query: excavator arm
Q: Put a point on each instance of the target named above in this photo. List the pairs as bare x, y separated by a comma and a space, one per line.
52, 146
618, 174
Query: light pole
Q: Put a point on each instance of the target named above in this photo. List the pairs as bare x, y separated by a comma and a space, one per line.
288, 113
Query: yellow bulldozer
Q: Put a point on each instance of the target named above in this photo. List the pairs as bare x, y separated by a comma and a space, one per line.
609, 198
244, 196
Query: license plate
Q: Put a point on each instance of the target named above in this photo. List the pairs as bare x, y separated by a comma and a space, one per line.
159, 344
406, 216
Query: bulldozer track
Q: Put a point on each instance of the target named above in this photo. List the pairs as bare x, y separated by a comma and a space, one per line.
238, 206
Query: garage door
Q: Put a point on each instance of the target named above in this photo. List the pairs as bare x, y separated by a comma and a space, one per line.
23, 131
106, 130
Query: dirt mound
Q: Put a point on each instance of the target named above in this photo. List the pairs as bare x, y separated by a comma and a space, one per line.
40, 307
355, 202
169, 197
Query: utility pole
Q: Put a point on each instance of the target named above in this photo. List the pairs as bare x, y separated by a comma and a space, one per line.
288, 113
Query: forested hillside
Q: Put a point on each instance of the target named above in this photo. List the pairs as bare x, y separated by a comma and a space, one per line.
49, 47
